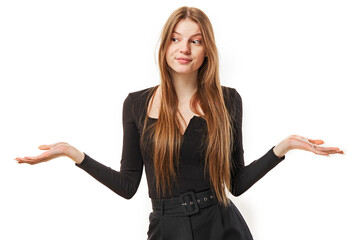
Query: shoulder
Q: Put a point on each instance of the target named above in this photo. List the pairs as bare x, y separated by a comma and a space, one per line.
142, 94
231, 96
135, 103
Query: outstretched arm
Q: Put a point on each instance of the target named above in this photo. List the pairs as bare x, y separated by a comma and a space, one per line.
124, 182
243, 177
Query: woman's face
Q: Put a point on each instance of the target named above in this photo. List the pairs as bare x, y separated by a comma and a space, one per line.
186, 52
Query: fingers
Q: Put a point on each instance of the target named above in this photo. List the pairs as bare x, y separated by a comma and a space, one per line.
35, 159
326, 150
304, 139
55, 150
44, 147
26, 160
316, 141
315, 149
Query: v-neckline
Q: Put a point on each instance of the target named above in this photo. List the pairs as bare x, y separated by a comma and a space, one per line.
188, 125
155, 119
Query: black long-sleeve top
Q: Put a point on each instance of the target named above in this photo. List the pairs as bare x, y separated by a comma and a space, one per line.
191, 175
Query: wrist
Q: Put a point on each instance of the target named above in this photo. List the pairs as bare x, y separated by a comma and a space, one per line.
282, 148
76, 155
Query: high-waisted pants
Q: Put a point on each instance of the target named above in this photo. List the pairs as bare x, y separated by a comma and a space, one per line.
212, 223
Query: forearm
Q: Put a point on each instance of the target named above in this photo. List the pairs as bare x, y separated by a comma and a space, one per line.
244, 177
124, 182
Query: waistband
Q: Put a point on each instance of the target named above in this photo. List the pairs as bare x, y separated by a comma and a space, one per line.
186, 204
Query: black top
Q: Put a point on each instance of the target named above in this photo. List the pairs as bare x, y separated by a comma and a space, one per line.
191, 166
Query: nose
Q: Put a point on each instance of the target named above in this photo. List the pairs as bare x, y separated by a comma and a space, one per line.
184, 48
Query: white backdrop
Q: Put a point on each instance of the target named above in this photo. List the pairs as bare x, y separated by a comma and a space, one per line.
67, 66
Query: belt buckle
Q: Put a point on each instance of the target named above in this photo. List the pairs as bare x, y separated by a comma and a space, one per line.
192, 203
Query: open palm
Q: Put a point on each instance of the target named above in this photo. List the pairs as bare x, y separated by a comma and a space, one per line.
302, 143
54, 150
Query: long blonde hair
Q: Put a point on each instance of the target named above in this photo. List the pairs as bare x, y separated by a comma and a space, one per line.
166, 134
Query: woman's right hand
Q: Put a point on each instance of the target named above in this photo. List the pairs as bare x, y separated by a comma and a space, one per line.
59, 149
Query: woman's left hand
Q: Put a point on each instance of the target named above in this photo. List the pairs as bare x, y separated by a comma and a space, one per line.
302, 143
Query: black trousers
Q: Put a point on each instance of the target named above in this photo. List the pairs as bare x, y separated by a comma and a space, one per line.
212, 223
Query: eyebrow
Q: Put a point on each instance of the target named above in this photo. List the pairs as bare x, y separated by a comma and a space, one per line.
196, 34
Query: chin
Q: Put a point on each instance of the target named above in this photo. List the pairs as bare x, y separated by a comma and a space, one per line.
184, 70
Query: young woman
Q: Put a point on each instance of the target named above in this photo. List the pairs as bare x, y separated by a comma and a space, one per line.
187, 133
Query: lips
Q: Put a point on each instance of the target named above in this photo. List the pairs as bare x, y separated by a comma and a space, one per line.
184, 60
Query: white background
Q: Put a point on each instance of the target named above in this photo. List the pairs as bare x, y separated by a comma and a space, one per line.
67, 66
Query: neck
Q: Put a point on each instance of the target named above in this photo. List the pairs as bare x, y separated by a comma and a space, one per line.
185, 85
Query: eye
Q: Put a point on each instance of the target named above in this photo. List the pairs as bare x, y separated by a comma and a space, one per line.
196, 41
174, 39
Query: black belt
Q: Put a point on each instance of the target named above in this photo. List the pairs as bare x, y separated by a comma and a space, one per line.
187, 204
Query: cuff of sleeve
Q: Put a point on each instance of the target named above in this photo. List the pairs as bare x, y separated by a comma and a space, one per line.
84, 162
274, 156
